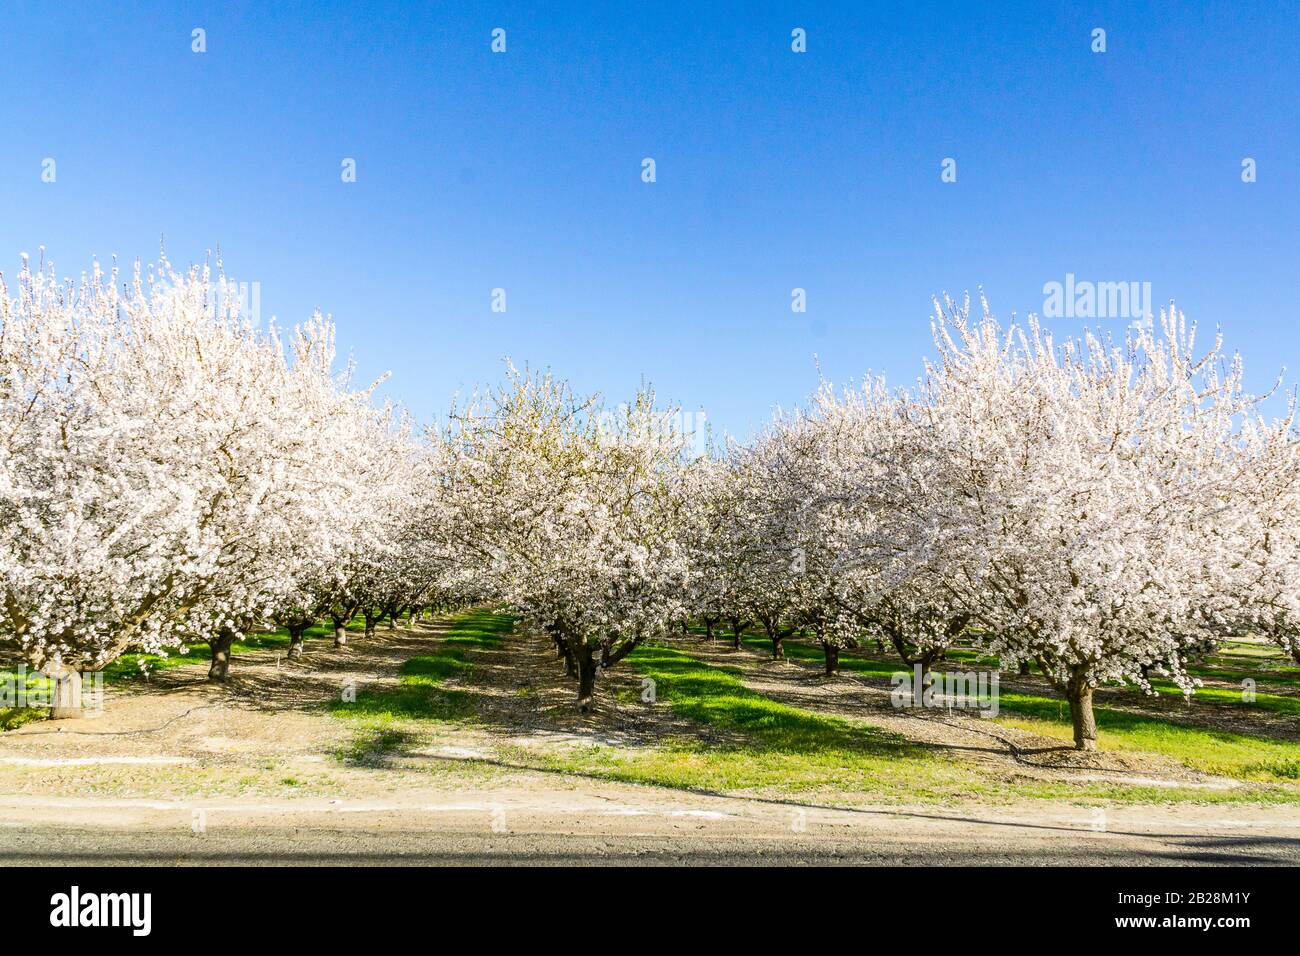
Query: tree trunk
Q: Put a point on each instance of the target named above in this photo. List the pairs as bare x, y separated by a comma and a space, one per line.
832, 659
776, 637
295, 640
1024, 668
586, 676
220, 667
735, 632
1085, 723
65, 696
925, 658
340, 632
708, 628
570, 668
371, 620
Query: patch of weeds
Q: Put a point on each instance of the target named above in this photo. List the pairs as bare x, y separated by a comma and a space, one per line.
1281, 769
375, 745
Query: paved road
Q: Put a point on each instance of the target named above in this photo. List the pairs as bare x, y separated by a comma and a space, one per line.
461, 843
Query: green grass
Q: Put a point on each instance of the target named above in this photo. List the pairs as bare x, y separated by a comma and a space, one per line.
1236, 662
1234, 671
1242, 756
14, 717
372, 746
128, 666
1220, 752
762, 744
798, 651
419, 694
1232, 698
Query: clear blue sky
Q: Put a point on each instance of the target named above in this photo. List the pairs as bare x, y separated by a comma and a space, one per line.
775, 170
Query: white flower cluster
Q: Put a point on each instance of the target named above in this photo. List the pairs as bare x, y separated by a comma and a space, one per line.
171, 473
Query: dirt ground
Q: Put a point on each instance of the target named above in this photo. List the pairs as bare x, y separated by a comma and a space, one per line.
178, 770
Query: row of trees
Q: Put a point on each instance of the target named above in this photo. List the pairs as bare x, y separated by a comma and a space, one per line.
171, 473
1102, 510
1099, 509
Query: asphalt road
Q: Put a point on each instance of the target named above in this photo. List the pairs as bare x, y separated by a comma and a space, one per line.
260, 845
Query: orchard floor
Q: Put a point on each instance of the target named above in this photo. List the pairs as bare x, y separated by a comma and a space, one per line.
265, 770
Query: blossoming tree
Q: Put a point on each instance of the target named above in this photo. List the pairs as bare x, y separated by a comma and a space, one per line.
572, 511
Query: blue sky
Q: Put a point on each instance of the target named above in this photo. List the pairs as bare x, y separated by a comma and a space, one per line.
775, 170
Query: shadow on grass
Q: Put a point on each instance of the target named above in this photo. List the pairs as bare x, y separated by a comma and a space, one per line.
715, 696
374, 746
419, 693
1185, 737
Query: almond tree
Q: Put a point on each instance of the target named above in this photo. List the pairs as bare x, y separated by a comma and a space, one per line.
760, 538
867, 477
713, 535
1259, 534
800, 518
1071, 497
159, 475
570, 509
374, 569
708, 514
372, 457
